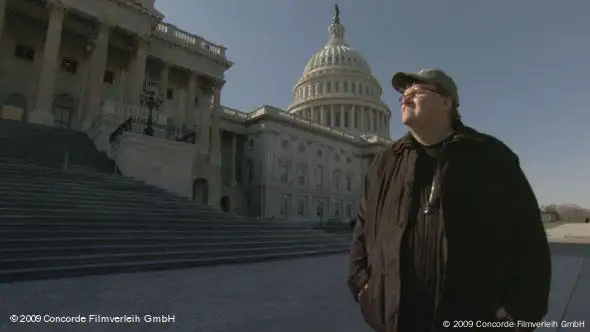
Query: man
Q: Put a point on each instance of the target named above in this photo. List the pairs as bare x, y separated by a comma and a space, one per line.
448, 228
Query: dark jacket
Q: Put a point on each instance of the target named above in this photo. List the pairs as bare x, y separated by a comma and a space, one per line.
495, 250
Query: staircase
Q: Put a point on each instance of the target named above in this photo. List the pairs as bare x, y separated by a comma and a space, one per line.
82, 220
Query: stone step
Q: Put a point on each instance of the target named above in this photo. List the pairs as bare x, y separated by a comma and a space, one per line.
155, 239
21, 274
134, 234
93, 202
147, 226
33, 216
11, 184
108, 211
70, 176
20, 163
39, 193
181, 254
84, 248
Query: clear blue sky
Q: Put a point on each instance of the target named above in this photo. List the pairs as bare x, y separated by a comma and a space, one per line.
522, 67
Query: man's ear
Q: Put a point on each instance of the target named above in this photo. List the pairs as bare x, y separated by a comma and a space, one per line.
448, 102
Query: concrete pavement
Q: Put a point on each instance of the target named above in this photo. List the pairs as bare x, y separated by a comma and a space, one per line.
302, 295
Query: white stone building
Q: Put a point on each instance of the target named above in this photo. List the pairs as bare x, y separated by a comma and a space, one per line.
83, 65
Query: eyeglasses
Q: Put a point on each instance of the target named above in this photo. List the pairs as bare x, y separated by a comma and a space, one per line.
415, 92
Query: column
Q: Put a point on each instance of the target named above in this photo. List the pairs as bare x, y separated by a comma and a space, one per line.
234, 180
215, 143
42, 112
362, 119
189, 112
332, 117
98, 64
2, 12
215, 146
121, 86
163, 85
137, 72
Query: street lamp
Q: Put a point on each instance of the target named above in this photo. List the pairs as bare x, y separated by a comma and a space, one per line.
151, 100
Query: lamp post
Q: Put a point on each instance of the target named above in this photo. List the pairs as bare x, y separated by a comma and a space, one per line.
152, 101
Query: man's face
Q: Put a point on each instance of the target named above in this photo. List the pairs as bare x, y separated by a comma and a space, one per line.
422, 104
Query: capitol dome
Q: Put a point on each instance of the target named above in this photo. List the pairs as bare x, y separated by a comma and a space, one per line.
337, 89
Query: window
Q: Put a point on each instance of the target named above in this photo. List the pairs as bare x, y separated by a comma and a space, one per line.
285, 144
284, 205
301, 176
349, 183
320, 209
302, 147
169, 94
320, 152
320, 88
337, 118
24, 52
337, 86
109, 77
337, 209
301, 207
250, 171
349, 210
345, 86
328, 87
353, 87
69, 65
337, 180
319, 176
283, 173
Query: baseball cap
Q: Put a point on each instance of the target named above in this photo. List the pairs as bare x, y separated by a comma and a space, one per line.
400, 81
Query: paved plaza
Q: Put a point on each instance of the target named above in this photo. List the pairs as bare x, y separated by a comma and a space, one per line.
570, 233
302, 295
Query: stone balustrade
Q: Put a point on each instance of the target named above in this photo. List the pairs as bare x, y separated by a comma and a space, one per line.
244, 117
173, 34
115, 113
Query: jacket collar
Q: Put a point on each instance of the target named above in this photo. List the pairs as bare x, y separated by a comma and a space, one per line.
461, 134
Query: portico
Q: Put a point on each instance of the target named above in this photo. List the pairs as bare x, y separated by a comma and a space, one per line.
92, 57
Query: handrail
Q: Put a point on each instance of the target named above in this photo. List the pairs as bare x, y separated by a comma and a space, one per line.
123, 127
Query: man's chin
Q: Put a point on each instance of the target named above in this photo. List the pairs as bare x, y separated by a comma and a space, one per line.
408, 121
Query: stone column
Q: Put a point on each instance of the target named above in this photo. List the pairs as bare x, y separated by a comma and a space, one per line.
362, 119
215, 146
98, 64
163, 85
332, 116
121, 86
215, 143
2, 12
234, 179
42, 112
189, 111
137, 73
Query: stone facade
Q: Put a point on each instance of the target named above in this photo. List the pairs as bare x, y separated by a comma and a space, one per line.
83, 65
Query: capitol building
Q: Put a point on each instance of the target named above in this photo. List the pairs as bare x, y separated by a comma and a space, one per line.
86, 66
